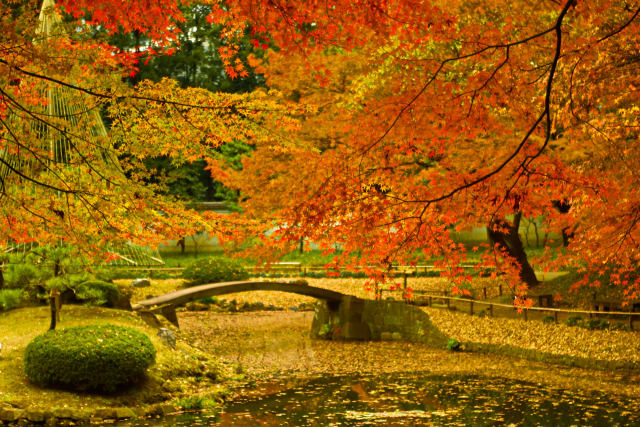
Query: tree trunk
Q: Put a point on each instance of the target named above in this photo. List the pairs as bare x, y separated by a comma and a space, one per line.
54, 297
510, 242
52, 310
564, 206
567, 235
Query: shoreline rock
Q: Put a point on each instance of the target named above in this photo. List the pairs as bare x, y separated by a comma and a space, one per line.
70, 416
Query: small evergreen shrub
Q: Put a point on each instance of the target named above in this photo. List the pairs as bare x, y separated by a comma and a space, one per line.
94, 357
619, 326
597, 324
10, 298
548, 319
97, 292
574, 321
453, 344
214, 270
482, 313
209, 300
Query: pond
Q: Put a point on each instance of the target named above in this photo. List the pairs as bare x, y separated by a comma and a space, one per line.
415, 399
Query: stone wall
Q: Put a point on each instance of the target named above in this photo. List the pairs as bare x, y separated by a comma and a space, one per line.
357, 319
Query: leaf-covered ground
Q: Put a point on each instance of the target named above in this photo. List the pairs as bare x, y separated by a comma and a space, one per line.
535, 335
277, 344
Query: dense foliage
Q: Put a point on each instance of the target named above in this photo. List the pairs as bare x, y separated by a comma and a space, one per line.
97, 292
10, 298
435, 117
96, 357
193, 62
33, 274
214, 270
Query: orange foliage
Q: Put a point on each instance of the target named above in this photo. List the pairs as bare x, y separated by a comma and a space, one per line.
431, 119
418, 118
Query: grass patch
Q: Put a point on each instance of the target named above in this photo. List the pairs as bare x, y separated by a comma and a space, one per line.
179, 260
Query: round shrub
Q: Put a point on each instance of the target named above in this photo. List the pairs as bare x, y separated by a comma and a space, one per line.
97, 292
214, 270
94, 357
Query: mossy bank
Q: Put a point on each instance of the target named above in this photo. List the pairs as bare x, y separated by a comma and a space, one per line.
181, 378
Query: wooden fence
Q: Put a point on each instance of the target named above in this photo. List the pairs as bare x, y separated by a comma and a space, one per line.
429, 299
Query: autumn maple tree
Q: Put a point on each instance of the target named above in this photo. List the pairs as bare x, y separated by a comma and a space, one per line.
456, 114
418, 118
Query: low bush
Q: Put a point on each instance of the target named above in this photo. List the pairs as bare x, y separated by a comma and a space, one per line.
482, 313
94, 357
548, 319
209, 300
214, 270
10, 298
619, 326
574, 321
597, 324
197, 403
97, 292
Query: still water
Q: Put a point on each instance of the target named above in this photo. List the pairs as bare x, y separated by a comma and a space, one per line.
415, 399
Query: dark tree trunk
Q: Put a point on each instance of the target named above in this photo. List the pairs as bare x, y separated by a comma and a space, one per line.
567, 235
564, 206
54, 298
1, 276
510, 242
52, 309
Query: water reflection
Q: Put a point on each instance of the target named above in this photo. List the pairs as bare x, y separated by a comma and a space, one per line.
413, 399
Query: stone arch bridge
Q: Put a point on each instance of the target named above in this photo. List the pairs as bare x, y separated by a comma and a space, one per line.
337, 316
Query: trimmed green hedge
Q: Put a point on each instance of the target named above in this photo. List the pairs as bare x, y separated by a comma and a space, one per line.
214, 270
94, 357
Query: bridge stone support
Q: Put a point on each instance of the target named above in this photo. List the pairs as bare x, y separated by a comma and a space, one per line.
357, 319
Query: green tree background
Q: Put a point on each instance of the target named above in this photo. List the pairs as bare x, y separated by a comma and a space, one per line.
195, 64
